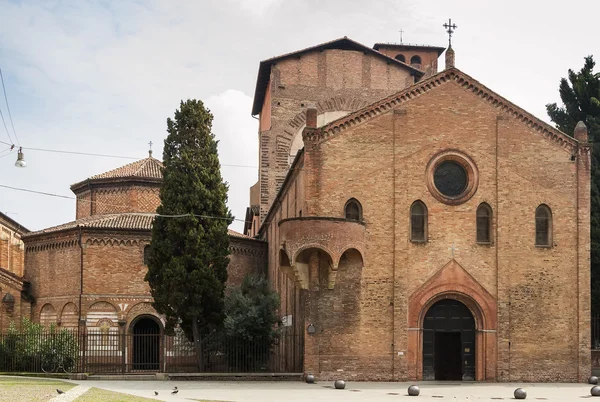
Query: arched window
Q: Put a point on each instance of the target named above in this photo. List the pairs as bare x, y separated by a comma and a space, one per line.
543, 226
415, 60
484, 223
401, 57
146, 254
418, 222
353, 210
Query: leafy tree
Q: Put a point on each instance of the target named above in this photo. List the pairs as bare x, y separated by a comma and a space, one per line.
580, 95
189, 254
251, 323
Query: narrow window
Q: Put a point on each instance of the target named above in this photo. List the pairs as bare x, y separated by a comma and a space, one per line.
418, 222
543, 226
484, 223
353, 210
401, 58
146, 255
415, 61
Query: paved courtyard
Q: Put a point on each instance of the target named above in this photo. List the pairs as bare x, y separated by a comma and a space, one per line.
251, 391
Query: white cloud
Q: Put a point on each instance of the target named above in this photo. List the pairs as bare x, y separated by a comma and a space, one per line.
257, 7
237, 133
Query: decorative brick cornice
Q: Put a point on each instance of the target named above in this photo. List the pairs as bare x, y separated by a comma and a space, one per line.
51, 244
114, 241
250, 251
452, 75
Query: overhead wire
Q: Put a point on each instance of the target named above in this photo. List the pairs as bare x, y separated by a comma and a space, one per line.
6, 128
111, 156
8, 108
116, 205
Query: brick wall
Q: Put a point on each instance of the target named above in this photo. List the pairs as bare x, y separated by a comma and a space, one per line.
12, 312
541, 293
118, 198
331, 80
113, 274
247, 257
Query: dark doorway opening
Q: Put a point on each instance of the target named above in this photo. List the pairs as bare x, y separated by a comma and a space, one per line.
447, 356
449, 342
146, 345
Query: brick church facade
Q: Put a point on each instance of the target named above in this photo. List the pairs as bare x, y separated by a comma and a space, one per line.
420, 226
416, 224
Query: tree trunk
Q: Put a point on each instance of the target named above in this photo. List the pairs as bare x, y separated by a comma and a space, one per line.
197, 343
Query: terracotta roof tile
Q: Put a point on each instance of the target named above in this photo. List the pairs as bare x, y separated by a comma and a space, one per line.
127, 221
131, 221
148, 168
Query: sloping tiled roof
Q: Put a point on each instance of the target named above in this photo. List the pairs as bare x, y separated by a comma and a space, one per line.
128, 221
438, 49
148, 168
466, 82
123, 221
264, 70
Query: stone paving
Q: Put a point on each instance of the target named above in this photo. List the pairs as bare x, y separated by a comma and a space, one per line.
253, 391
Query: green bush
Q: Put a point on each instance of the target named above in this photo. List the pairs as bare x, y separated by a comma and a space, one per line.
27, 348
251, 326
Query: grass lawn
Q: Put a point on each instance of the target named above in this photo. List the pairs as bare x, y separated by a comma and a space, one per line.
102, 395
30, 389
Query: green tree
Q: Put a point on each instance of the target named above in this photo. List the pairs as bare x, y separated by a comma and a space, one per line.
251, 322
189, 254
580, 95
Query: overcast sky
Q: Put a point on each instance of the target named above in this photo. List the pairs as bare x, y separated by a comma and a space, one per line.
103, 76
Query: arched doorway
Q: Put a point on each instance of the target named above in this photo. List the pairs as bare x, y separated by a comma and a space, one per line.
146, 344
449, 342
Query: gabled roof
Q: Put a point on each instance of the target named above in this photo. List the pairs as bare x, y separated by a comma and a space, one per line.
264, 70
124, 221
14, 225
465, 81
439, 49
144, 169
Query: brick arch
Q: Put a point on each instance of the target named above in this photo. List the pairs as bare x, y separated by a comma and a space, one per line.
48, 315
454, 282
140, 309
295, 126
320, 247
100, 310
69, 315
358, 249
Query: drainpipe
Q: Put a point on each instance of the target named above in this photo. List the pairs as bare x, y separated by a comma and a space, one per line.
80, 273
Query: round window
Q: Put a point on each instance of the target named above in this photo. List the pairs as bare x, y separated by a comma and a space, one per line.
450, 178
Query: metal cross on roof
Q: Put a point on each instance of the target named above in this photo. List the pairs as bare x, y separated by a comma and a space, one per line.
150, 150
401, 32
450, 27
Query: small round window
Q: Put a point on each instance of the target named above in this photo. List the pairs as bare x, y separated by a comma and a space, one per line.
450, 178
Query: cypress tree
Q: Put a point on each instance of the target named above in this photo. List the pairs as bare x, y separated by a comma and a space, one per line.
580, 95
189, 254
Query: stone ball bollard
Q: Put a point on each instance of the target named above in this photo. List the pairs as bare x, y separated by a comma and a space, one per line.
593, 380
414, 390
595, 391
520, 393
339, 384
310, 379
